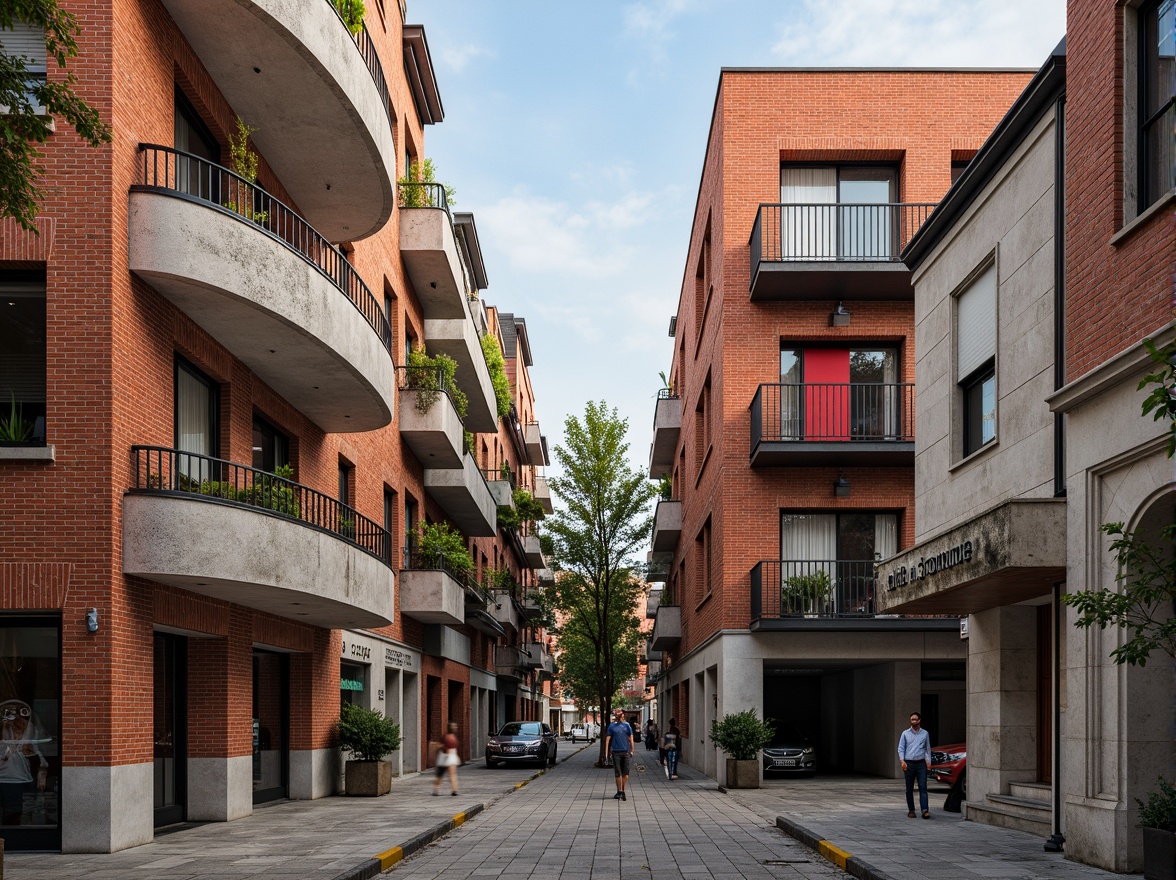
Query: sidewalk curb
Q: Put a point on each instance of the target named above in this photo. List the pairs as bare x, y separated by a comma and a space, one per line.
851, 864
385, 860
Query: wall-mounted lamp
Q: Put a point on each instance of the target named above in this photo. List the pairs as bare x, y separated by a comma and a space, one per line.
841, 487
839, 317
92, 620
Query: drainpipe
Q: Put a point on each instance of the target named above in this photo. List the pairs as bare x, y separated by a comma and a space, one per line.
1056, 839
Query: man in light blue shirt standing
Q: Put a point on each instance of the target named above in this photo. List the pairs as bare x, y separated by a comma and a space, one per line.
914, 751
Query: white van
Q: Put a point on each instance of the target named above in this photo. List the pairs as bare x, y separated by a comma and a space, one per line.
582, 733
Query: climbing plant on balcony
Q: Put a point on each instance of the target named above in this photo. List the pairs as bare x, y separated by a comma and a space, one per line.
496, 364
243, 162
352, 12
415, 195
442, 547
429, 376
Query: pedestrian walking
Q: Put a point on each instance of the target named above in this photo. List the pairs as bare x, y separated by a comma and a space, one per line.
914, 751
448, 761
620, 743
671, 743
650, 735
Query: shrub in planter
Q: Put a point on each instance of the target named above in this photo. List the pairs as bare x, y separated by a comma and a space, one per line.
429, 376
442, 547
368, 736
742, 735
1157, 817
803, 592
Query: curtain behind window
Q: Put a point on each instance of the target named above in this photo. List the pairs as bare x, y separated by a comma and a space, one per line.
808, 230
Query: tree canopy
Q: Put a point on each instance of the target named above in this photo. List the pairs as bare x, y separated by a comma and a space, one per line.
32, 101
603, 521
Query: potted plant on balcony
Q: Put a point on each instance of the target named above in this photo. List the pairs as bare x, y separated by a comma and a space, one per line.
415, 191
741, 735
439, 546
1157, 818
804, 593
351, 11
15, 429
243, 162
368, 736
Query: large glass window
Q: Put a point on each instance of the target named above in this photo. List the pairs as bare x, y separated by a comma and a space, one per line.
192, 136
838, 212
1157, 100
197, 403
839, 394
22, 362
827, 559
976, 360
30, 732
271, 448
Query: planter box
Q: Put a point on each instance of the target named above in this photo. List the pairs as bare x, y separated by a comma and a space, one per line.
743, 774
368, 778
1159, 854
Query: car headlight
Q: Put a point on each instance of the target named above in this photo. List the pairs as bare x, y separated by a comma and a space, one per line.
807, 751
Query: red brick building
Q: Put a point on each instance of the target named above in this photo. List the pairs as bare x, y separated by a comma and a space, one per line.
219, 466
786, 437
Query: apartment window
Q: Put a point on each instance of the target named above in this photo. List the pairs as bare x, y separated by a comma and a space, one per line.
843, 212
827, 559
838, 394
22, 361
702, 416
271, 448
197, 404
976, 360
192, 136
1157, 100
390, 508
410, 523
28, 42
703, 561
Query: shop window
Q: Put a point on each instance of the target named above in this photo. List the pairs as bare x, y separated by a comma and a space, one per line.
30, 732
22, 362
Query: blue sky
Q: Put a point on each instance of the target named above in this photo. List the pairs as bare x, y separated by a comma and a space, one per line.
575, 133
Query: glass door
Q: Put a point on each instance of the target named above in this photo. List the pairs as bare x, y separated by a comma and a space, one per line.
271, 726
170, 711
874, 397
197, 403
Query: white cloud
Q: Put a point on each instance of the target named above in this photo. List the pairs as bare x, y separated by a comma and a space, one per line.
457, 57
868, 33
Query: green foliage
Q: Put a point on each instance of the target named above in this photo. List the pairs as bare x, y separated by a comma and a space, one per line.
273, 492
526, 511
496, 364
501, 579
15, 428
1161, 400
366, 733
1146, 570
32, 104
243, 161
423, 196
352, 12
1143, 607
742, 734
801, 591
665, 488
442, 547
1160, 809
603, 520
429, 376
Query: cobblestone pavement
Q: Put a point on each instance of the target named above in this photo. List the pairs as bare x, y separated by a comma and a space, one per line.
564, 825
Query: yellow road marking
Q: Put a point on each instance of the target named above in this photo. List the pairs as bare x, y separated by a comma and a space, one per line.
390, 858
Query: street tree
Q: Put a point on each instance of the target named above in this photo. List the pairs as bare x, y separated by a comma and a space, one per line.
32, 100
603, 520
581, 673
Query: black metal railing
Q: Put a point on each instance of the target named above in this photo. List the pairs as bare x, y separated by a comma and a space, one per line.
174, 172
837, 232
666, 394
367, 51
416, 559
501, 475
423, 195
427, 380
828, 411
812, 588
166, 471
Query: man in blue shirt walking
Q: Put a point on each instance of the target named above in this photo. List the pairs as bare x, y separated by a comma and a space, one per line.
914, 751
618, 742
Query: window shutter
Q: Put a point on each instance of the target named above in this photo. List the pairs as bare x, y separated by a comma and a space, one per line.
27, 41
976, 324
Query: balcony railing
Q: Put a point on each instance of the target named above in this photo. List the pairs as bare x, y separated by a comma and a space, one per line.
824, 412
427, 381
367, 51
834, 233
812, 588
423, 195
174, 172
175, 472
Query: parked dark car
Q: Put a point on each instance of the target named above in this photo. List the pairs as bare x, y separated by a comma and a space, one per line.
949, 762
520, 742
790, 751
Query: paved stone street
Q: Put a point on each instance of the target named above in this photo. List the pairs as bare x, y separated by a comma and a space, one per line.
564, 825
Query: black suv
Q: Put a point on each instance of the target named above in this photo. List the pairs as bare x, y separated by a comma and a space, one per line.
521, 741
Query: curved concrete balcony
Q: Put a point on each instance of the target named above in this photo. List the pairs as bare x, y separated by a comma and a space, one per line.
253, 539
287, 305
436, 435
317, 97
465, 497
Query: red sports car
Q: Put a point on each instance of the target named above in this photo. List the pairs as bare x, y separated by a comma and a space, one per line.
948, 762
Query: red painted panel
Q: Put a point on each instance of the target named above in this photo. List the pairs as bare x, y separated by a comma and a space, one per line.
826, 375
